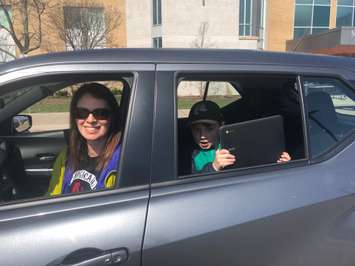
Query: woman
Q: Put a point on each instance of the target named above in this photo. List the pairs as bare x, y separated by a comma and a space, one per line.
90, 161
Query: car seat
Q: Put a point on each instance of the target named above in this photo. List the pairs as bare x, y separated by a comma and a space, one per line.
324, 128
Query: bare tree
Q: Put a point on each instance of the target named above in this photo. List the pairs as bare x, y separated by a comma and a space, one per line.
201, 40
86, 26
23, 24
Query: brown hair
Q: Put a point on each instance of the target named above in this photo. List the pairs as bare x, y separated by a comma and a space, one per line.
77, 150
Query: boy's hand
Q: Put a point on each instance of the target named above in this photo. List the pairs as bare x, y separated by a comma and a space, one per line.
223, 159
285, 157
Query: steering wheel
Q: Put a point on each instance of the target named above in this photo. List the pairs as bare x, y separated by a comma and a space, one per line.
8, 190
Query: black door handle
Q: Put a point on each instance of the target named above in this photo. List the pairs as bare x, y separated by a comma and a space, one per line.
95, 257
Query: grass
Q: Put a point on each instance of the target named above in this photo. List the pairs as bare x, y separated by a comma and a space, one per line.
61, 104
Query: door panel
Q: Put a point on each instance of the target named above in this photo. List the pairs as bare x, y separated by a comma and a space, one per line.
38, 150
33, 156
46, 234
297, 216
89, 228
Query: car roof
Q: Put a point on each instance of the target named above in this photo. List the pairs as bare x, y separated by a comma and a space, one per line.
180, 56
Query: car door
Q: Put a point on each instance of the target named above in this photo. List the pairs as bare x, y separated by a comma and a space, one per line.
36, 152
99, 228
300, 213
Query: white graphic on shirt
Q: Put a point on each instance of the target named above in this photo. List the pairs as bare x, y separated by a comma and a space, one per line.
85, 176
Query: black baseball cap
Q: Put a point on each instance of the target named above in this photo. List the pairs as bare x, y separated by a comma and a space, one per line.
205, 112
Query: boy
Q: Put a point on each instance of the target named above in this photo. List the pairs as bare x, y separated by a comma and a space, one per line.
205, 118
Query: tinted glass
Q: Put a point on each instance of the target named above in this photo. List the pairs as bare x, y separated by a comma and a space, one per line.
299, 32
322, 2
241, 30
159, 11
304, 1
303, 15
241, 12
331, 112
345, 2
319, 30
247, 11
247, 31
321, 16
344, 16
154, 12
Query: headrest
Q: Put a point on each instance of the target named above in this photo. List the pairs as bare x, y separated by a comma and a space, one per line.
321, 107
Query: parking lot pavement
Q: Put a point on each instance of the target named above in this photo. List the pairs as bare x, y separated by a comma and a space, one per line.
54, 121
49, 121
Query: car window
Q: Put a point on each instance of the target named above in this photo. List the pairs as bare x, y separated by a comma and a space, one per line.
331, 112
35, 137
244, 101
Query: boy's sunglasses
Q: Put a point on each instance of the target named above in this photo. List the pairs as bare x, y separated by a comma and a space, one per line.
99, 113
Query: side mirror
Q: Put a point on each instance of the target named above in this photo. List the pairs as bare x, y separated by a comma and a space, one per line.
21, 123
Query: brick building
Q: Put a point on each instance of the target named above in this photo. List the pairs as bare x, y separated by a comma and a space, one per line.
68, 25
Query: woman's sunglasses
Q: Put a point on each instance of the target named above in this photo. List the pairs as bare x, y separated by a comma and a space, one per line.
99, 113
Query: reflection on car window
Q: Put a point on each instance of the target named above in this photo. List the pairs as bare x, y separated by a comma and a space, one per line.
331, 112
13, 95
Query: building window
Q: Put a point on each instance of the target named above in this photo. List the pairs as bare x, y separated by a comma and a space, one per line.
157, 42
345, 13
156, 12
7, 44
250, 14
84, 28
312, 16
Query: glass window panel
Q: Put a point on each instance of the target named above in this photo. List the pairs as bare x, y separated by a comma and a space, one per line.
154, 12
157, 42
3, 20
247, 14
241, 30
299, 32
322, 2
247, 30
304, 2
344, 16
345, 2
319, 30
255, 20
241, 12
159, 12
303, 16
321, 16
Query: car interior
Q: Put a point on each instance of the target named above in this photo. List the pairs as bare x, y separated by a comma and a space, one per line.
261, 96
328, 124
26, 158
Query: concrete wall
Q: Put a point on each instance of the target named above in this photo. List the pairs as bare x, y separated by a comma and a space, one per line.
139, 23
182, 22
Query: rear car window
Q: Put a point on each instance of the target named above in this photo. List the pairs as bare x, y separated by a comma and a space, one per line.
331, 112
